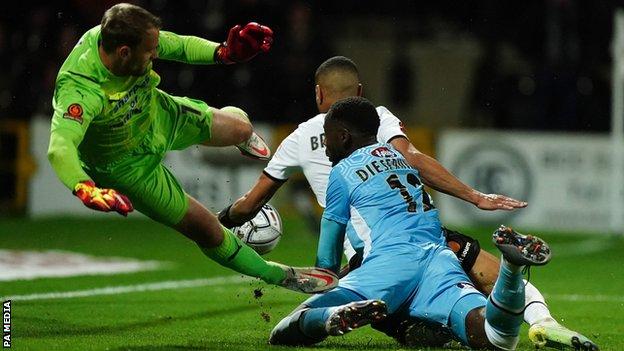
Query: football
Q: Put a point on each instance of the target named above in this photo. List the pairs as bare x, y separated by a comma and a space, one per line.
263, 232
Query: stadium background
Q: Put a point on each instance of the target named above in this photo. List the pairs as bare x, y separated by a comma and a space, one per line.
514, 97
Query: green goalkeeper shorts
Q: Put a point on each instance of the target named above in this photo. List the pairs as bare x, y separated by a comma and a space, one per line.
153, 190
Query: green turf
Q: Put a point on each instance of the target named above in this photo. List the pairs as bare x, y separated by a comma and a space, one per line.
228, 317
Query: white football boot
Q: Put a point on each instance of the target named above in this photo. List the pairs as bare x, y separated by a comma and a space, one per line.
255, 147
309, 280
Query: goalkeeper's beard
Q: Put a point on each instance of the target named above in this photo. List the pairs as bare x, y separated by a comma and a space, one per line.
140, 71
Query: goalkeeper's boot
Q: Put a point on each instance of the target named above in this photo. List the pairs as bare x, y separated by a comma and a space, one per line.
309, 280
520, 249
549, 333
255, 147
354, 315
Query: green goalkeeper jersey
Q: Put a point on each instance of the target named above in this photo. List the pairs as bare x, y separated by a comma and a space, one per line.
99, 117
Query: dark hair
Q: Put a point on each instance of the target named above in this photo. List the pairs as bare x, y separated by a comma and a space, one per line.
357, 114
336, 63
126, 24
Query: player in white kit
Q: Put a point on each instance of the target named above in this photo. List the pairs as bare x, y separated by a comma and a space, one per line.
304, 151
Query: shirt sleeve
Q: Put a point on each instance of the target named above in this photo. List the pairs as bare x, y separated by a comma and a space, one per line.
389, 127
185, 48
329, 253
75, 105
337, 199
285, 161
63, 156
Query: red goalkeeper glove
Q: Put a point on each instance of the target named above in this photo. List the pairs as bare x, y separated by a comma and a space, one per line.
243, 44
102, 199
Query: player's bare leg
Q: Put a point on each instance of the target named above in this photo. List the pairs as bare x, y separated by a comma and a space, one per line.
231, 126
221, 245
200, 225
485, 272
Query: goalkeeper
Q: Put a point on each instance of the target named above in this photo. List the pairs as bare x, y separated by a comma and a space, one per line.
112, 127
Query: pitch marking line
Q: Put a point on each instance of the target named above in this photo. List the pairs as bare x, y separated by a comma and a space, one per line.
115, 290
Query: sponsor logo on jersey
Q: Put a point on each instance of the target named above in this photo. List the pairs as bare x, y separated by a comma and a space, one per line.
130, 98
383, 151
74, 112
131, 94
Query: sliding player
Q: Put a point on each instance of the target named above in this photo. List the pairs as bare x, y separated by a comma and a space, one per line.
408, 270
304, 150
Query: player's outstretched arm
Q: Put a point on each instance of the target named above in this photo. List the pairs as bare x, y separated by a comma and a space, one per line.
248, 205
284, 162
439, 178
63, 156
329, 252
241, 45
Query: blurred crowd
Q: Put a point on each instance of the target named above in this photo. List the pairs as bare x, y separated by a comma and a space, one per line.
545, 65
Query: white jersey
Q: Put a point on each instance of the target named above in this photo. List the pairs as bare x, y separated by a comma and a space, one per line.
304, 150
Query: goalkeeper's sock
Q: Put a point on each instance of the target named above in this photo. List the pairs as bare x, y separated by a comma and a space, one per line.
234, 254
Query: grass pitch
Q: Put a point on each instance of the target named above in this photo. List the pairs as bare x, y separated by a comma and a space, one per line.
584, 285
